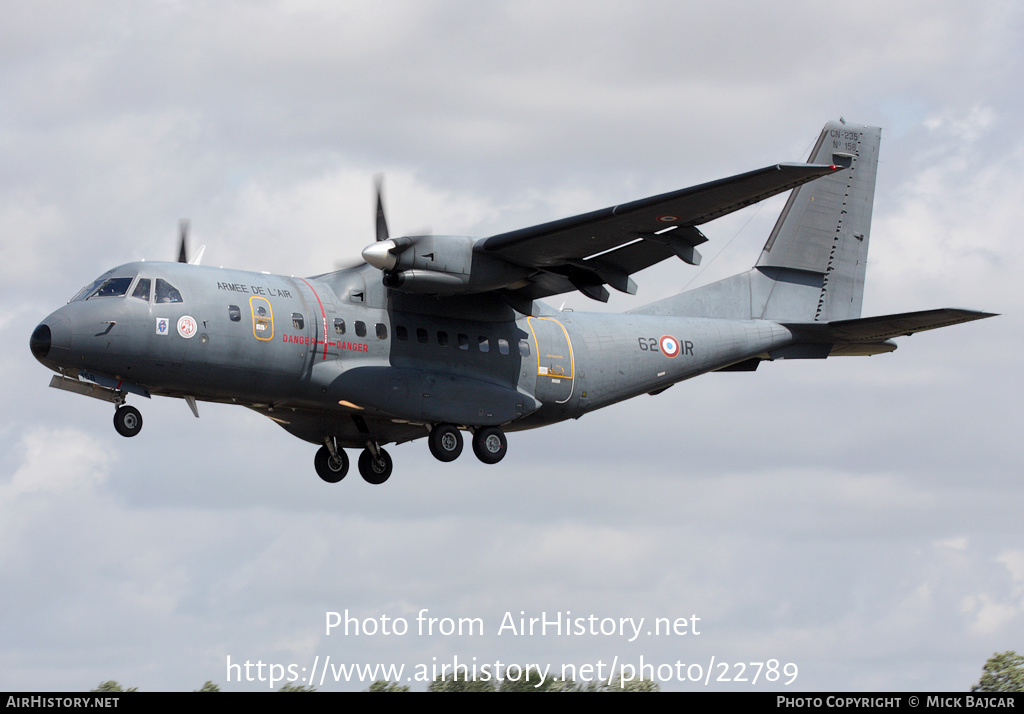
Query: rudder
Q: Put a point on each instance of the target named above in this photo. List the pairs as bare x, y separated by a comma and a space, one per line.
816, 255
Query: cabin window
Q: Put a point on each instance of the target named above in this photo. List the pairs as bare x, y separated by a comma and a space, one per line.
112, 287
401, 333
165, 292
484, 344
234, 313
442, 338
339, 326
524, 348
297, 321
360, 328
382, 331
503, 346
421, 336
141, 290
463, 341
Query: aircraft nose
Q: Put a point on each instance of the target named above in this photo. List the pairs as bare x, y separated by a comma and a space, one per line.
51, 340
40, 341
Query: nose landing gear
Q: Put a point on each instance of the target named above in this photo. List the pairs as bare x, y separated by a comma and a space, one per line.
127, 421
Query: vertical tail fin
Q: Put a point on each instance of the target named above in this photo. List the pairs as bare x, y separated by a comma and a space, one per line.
820, 242
812, 267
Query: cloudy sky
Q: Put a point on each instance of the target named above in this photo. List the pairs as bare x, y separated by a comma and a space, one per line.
859, 518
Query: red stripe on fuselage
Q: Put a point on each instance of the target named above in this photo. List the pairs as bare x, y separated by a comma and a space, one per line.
323, 316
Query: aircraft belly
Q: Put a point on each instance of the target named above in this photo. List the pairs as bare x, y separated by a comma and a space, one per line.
419, 395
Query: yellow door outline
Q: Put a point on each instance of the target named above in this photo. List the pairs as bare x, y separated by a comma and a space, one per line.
549, 372
261, 323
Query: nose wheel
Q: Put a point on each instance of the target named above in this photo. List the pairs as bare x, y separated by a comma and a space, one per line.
127, 421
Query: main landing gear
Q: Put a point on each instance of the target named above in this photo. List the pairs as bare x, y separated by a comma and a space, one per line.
332, 463
375, 464
445, 442
489, 443
375, 468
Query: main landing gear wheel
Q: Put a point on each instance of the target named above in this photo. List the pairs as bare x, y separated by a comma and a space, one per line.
375, 470
445, 442
331, 468
127, 421
490, 444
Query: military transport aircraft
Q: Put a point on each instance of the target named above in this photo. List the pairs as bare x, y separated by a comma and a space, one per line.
435, 335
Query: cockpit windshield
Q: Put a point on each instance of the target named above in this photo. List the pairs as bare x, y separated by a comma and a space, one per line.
104, 287
112, 287
108, 285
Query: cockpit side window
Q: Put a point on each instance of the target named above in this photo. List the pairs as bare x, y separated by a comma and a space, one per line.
141, 290
111, 287
165, 292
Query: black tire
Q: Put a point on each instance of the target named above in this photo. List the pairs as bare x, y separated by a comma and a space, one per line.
375, 471
330, 469
127, 421
445, 442
490, 444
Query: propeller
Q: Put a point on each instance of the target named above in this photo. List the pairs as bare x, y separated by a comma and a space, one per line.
183, 226
383, 254
382, 221
183, 232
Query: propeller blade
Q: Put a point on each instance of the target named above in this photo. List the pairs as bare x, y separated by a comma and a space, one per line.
340, 265
183, 232
382, 221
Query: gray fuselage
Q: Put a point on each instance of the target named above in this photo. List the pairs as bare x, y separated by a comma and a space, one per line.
334, 356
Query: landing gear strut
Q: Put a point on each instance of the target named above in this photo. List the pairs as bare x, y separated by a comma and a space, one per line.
127, 421
445, 442
490, 444
376, 467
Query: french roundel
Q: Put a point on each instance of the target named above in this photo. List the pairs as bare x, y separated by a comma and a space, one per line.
669, 346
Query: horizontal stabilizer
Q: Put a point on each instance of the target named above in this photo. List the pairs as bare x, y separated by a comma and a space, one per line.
870, 335
884, 327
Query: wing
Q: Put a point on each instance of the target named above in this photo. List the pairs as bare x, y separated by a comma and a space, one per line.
591, 250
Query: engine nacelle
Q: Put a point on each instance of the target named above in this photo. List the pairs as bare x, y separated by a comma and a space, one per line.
439, 265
